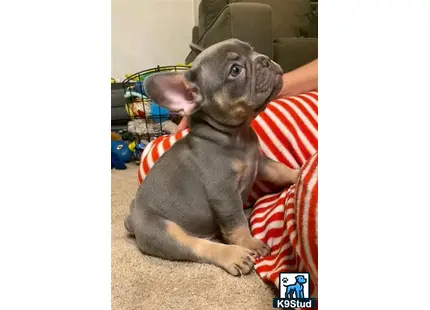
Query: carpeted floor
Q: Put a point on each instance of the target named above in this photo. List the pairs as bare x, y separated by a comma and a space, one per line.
148, 283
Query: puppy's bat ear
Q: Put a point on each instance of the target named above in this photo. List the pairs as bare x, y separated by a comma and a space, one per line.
170, 90
196, 48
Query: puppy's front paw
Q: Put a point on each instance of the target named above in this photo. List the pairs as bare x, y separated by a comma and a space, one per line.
236, 260
257, 246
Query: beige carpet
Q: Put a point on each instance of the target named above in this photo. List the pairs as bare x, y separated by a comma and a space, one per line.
148, 283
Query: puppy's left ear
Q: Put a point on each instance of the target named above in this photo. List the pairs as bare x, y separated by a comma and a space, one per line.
196, 48
171, 91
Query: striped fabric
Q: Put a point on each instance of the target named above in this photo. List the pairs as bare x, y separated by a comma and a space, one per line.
286, 220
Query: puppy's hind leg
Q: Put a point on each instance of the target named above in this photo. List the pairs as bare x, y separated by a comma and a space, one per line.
163, 238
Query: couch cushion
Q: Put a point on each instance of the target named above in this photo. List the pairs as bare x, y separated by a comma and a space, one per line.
313, 21
291, 53
250, 22
208, 10
289, 17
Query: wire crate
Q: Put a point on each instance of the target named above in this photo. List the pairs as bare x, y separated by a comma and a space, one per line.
147, 119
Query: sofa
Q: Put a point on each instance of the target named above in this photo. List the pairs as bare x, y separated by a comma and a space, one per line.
284, 30
119, 116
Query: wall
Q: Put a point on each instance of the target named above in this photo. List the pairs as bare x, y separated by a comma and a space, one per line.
147, 33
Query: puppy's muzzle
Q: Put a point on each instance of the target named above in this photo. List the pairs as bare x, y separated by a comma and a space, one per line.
265, 74
267, 80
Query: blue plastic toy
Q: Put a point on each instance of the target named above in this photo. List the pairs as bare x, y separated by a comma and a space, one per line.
159, 113
116, 162
138, 87
120, 154
138, 151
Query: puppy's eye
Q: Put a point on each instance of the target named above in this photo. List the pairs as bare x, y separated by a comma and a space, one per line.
235, 70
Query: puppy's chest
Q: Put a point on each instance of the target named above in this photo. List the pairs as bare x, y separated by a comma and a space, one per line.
245, 163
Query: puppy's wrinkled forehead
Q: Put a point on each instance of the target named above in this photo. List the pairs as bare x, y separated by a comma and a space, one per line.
220, 51
219, 55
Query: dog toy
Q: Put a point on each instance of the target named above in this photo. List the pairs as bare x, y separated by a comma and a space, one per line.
120, 154
116, 162
136, 108
141, 127
126, 135
169, 127
158, 112
137, 149
115, 136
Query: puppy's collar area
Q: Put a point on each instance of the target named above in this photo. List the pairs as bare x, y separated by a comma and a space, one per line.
208, 128
204, 118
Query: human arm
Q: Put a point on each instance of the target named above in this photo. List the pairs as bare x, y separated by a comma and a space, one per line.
300, 80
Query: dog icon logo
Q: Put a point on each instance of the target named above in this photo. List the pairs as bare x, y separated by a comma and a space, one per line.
294, 285
295, 290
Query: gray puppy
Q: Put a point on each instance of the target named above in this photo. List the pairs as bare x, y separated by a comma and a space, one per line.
195, 191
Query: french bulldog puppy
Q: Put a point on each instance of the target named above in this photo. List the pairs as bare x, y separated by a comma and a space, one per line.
195, 191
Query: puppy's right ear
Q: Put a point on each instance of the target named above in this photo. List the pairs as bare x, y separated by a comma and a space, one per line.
171, 91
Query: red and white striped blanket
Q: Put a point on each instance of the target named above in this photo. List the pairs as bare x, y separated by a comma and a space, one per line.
285, 220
